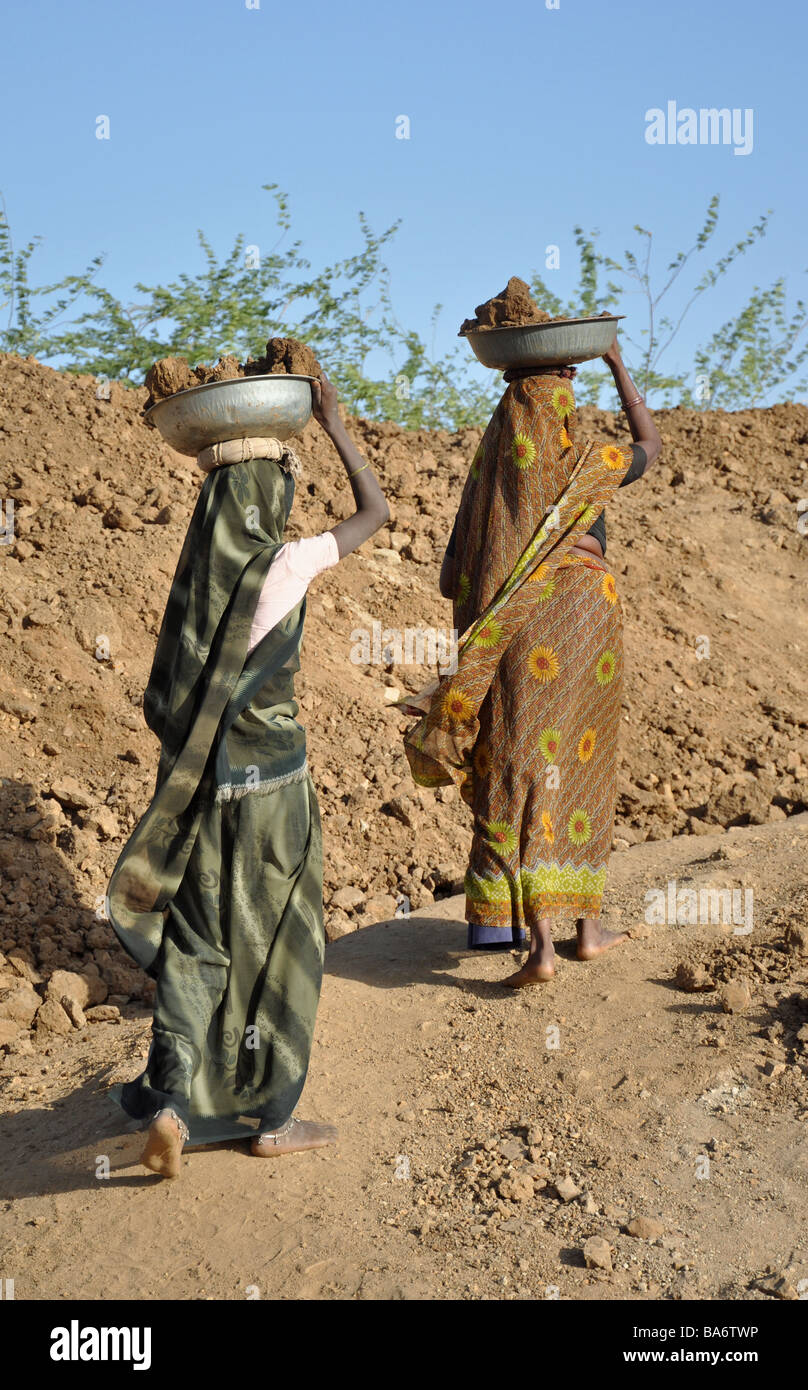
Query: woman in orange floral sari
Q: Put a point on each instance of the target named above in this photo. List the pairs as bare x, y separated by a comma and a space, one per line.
527, 724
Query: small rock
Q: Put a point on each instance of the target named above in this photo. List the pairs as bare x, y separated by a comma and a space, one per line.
43, 614
735, 997
516, 1187
347, 897
781, 1285
402, 809
598, 1253
741, 804
70, 794
74, 1011
338, 925
103, 1013
381, 906
104, 822
692, 978
19, 1003
21, 709
420, 549
9, 1030
119, 519
645, 1228
52, 1017
23, 966
796, 938
83, 989
567, 1189
539, 1172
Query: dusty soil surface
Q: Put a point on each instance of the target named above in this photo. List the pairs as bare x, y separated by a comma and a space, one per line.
489, 1143
710, 566
172, 374
513, 307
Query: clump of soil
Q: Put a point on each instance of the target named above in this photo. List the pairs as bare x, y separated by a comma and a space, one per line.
284, 355
172, 374
513, 307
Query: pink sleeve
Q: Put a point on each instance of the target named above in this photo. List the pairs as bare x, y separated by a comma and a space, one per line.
288, 578
311, 556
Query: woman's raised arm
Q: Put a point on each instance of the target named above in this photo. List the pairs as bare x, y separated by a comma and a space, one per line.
640, 419
372, 510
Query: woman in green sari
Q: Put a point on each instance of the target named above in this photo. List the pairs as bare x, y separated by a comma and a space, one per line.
218, 892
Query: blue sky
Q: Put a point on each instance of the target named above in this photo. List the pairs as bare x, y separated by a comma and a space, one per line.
524, 122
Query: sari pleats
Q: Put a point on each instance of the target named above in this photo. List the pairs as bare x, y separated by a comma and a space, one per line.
241, 965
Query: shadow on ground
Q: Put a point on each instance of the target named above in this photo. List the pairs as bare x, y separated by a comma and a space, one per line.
422, 950
82, 1143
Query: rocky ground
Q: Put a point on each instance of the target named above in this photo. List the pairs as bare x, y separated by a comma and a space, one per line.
608, 1136
710, 566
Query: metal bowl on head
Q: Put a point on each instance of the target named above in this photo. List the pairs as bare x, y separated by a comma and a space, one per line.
278, 404
562, 344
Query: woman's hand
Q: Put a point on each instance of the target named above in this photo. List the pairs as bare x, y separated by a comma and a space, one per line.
640, 420
324, 404
612, 357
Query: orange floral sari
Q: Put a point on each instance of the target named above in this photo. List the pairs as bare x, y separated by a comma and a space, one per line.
526, 726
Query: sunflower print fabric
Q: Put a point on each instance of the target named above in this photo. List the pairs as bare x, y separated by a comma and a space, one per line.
527, 724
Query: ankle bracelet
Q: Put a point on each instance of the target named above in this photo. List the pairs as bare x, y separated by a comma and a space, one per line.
275, 1134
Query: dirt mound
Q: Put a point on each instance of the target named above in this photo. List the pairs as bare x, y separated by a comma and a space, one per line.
172, 374
513, 307
710, 569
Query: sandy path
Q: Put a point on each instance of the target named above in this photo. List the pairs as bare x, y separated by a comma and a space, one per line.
422, 1059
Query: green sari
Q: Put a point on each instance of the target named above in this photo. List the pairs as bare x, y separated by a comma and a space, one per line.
218, 892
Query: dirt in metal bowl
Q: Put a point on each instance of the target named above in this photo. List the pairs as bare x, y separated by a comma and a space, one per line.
560, 344
190, 421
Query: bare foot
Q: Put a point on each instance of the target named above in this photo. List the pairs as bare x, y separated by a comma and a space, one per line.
301, 1134
537, 969
163, 1151
593, 939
